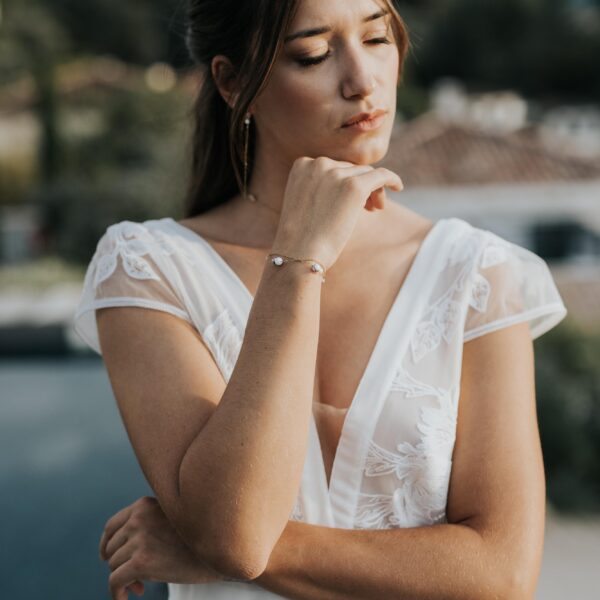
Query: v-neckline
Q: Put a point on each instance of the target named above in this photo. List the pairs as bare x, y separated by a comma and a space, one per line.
224, 265
375, 352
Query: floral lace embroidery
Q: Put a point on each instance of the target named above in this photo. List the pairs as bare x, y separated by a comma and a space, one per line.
132, 242
225, 341
494, 254
441, 319
442, 322
423, 469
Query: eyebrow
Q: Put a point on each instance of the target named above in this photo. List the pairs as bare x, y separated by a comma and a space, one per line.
319, 30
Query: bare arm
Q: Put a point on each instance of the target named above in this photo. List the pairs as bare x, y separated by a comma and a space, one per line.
251, 451
492, 545
225, 462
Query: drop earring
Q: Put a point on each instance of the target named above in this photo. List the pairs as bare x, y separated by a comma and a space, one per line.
251, 197
246, 136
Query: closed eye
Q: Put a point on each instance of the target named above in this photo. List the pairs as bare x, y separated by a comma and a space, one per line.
315, 60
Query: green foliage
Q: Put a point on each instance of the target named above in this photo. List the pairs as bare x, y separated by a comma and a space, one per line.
137, 31
76, 212
568, 392
539, 47
132, 165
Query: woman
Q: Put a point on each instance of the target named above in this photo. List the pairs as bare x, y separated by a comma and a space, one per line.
306, 440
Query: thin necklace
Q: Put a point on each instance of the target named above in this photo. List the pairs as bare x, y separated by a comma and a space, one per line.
253, 199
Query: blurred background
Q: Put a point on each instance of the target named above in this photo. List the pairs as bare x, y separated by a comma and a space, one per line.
498, 123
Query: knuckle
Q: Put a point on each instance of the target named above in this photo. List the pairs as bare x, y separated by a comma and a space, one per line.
300, 162
139, 563
136, 561
142, 544
135, 522
321, 162
337, 174
351, 185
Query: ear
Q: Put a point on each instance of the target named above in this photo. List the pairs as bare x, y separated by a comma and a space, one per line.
224, 76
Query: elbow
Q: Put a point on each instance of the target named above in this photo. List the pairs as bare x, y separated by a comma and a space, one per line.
518, 586
224, 549
501, 577
231, 560
221, 538
509, 584
237, 566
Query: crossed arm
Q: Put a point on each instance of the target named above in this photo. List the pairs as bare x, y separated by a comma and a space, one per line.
491, 546
311, 562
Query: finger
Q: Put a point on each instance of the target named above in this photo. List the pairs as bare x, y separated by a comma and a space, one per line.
120, 556
117, 541
378, 198
351, 170
370, 204
112, 525
327, 160
379, 178
121, 579
137, 588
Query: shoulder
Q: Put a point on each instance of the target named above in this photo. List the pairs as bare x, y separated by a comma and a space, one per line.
122, 233
143, 249
456, 234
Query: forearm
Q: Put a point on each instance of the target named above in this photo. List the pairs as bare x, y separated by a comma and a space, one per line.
446, 561
253, 446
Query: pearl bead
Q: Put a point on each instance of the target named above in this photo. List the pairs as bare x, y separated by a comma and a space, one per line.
277, 260
316, 268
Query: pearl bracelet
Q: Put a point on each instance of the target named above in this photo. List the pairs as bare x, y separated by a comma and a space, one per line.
315, 266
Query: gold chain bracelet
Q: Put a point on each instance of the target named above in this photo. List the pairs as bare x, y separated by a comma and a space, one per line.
280, 259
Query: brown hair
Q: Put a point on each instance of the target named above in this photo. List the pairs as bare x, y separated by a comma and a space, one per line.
250, 34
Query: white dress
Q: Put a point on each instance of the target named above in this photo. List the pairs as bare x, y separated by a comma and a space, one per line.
393, 462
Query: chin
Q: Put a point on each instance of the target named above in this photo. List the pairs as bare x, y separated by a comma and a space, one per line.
366, 154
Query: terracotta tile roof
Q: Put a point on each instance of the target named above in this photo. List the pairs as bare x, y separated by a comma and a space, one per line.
427, 151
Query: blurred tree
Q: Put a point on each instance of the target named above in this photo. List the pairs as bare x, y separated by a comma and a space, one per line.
539, 47
568, 391
106, 26
35, 43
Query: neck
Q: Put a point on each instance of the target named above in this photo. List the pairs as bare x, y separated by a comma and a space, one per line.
269, 180
268, 184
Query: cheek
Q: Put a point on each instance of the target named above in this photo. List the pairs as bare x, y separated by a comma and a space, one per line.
306, 99
390, 68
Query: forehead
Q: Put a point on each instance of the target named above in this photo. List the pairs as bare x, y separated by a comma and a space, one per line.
334, 12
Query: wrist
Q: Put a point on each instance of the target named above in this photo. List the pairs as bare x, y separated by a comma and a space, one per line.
287, 245
295, 274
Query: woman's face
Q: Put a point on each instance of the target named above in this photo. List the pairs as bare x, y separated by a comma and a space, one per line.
323, 78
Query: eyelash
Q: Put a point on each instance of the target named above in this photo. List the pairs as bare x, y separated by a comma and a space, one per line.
307, 62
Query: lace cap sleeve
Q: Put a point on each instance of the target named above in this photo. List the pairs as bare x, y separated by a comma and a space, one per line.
129, 268
511, 284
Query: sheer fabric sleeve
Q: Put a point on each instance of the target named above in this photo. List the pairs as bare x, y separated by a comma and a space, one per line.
511, 284
131, 267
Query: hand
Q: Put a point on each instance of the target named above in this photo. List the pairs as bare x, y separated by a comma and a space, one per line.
322, 202
140, 543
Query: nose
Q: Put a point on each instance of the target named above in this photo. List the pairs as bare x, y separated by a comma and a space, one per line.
358, 79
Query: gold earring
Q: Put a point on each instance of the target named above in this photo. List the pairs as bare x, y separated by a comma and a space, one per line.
246, 136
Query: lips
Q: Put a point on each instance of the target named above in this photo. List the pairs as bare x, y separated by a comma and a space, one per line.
364, 116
